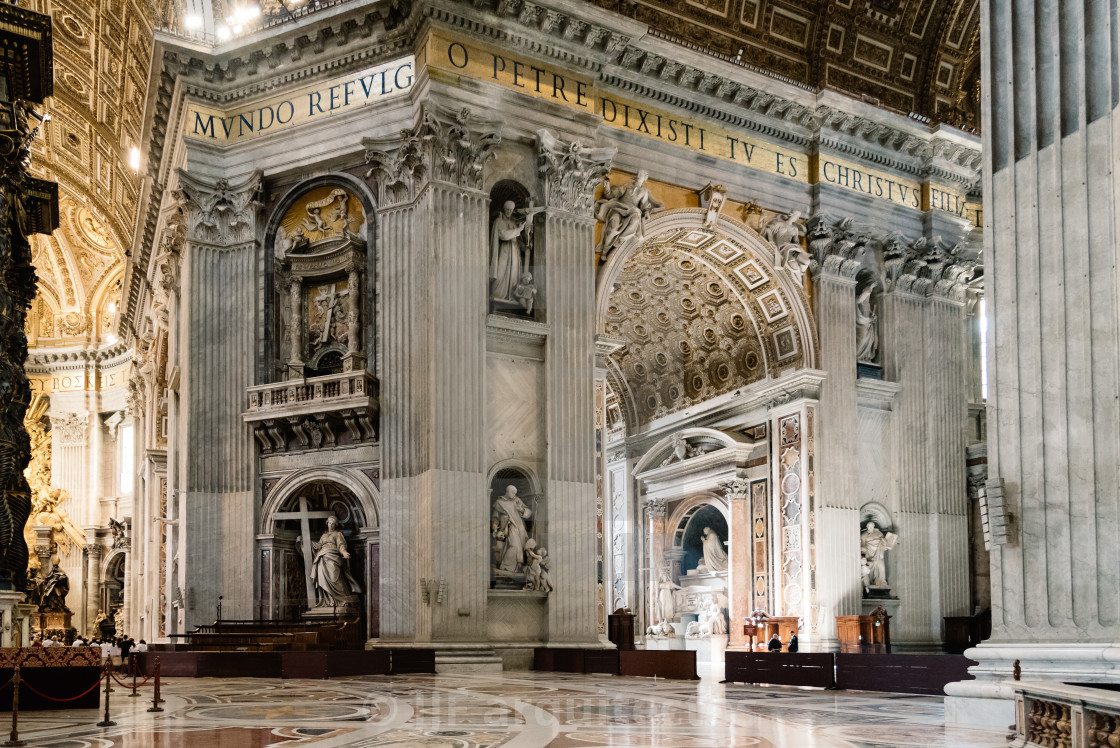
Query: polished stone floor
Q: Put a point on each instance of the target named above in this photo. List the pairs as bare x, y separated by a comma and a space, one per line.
512, 710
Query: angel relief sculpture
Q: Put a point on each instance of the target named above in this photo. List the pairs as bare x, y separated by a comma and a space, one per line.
319, 215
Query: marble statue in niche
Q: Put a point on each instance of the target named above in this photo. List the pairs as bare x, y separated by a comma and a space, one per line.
715, 558
507, 526
510, 239
335, 586
867, 328
537, 565
666, 602
785, 233
525, 292
874, 544
623, 211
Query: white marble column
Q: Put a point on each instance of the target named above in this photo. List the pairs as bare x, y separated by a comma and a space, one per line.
221, 321
1050, 193
740, 566
570, 173
433, 246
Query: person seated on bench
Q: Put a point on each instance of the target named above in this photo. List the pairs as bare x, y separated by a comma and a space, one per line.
775, 643
792, 646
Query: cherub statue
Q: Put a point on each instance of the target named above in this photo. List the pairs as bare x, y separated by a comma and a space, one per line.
525, 292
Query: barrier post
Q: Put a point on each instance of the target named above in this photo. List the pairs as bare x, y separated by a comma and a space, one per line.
13, 739
108, 681
156, 700
132, 663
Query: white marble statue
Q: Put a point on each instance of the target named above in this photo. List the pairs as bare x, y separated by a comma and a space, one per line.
335, 586
874, 544
536, 567
623, 211
867, 328
682, 451
715, 558
525, 292
507, 257
785, 233
666, 604
661, 629
507, 525
710, 623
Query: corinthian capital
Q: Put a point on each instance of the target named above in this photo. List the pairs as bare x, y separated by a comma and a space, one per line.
735, 489
570, 172
656, 508
219, 212
836, 248
446, 145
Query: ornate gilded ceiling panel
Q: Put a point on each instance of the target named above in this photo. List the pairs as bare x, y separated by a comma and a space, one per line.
919, 56
701, 316
102, 54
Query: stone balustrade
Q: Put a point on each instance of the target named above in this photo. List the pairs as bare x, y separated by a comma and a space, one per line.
327, 411
1057, 715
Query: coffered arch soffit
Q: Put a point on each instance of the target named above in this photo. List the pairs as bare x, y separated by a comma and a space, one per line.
702, 312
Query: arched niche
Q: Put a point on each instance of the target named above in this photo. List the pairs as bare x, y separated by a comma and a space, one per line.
514, 276
296, 510
688, 523
703, 312
322, 232
506, 559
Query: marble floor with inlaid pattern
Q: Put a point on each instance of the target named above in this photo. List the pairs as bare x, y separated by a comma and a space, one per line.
512, 710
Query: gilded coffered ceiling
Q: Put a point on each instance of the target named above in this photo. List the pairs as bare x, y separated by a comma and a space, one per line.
102, 50
701, 315
918, 56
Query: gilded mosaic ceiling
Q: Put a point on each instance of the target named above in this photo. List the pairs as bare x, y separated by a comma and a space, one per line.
102, 50
918, 56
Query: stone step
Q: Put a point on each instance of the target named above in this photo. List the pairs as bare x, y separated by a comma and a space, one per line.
480, 660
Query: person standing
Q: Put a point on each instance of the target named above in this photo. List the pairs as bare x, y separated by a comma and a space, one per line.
792, 646
775, 643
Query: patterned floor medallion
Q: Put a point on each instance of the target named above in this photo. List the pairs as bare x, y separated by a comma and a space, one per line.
513, 710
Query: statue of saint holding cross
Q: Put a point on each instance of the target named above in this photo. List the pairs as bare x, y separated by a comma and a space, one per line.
335, 586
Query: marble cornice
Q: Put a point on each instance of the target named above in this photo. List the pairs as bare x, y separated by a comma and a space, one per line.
43, 362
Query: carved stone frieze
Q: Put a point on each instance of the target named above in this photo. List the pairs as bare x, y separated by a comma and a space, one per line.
446, 145
571, 171
926, 267
219, 212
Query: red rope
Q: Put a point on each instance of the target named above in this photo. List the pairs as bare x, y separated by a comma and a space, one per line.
49, 698
127, 685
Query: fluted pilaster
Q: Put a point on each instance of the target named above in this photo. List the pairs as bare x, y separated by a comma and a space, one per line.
570, 173
434, 572
219, 331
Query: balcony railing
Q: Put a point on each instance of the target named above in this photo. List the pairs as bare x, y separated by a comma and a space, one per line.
1066, 716
327, 411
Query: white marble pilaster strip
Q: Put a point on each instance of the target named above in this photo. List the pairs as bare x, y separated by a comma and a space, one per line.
570, 388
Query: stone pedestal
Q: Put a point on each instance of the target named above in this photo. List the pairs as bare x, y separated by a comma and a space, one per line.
52, 624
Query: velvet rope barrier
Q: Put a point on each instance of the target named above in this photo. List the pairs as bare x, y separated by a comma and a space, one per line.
37, 692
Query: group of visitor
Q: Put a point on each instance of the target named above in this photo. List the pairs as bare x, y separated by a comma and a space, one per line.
775, 643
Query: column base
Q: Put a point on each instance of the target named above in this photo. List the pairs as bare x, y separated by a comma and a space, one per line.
969, 702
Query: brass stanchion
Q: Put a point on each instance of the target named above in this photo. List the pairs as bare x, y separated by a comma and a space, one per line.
132, 663
13, 739
156, 700
108, 678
